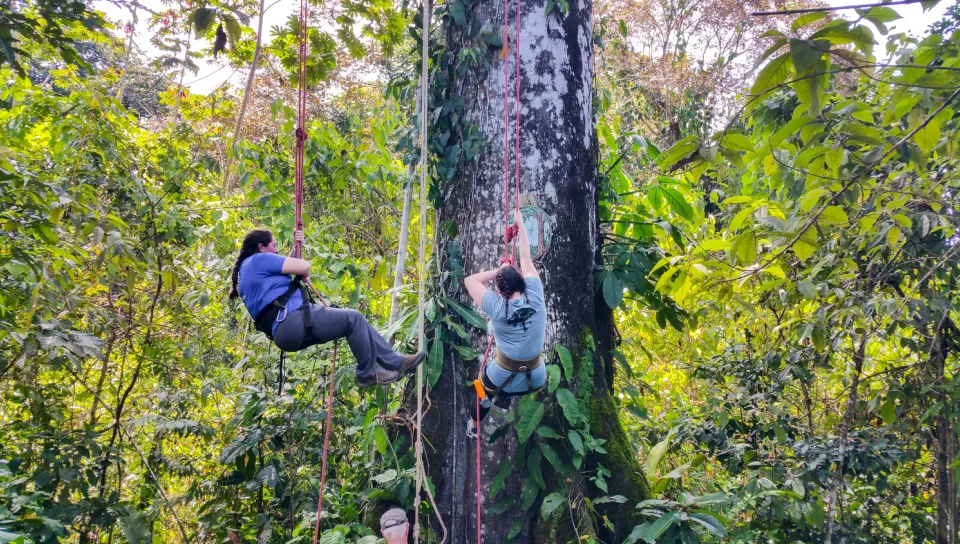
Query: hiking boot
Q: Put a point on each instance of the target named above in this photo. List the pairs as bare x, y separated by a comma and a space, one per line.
410, 363
382, 377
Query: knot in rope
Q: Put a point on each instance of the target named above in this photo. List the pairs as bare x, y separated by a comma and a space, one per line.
510, 233
301, 135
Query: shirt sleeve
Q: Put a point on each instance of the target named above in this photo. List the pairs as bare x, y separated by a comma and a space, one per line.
489, 303
269, 264
535, 292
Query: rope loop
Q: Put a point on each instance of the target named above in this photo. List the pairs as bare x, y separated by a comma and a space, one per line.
301, 135
510, 233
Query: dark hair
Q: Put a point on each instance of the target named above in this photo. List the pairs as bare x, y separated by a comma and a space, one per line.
250, 246
509, 280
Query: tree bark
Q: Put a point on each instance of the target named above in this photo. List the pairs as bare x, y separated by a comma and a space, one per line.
558, 169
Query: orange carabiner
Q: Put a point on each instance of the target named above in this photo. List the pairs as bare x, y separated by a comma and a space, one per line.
481, 392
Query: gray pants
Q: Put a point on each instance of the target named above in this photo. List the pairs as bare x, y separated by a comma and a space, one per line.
330, 324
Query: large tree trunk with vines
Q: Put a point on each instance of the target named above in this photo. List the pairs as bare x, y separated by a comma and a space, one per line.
558, 155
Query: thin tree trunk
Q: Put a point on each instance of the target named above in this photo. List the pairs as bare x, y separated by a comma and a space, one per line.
402, 247
247, 95
837, 478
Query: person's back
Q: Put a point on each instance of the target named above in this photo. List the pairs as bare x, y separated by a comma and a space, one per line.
519, 324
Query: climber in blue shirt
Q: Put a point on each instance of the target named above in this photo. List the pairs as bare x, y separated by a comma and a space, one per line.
260, 277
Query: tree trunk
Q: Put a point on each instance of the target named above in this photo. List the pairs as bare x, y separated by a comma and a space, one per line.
558, 168
247, 95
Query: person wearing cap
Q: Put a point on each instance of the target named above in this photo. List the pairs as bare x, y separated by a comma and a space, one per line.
518, 317
394, 526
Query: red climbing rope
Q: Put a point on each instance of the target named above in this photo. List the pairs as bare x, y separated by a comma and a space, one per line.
299, 154
509, 231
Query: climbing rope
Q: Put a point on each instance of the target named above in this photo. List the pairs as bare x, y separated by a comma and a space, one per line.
510, 230
299, 154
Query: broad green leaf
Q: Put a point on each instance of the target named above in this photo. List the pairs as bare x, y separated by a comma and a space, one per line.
612, 290
656, 454
467, 314
571, 407
678, 203
781, 433
553, 378
576, 442
566, 360
660, 526
737, 142
709, 523
811, 198
385, 477
888, 412
880, 15
529, 420
741, 217
202, 18
715, 244
551, 503
773, 74
435, 360
547, 432
678, 151
834, 215
807, 289
744, 248
806, 19
551, 456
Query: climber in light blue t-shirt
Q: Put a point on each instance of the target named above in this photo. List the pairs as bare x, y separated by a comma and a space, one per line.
518, 318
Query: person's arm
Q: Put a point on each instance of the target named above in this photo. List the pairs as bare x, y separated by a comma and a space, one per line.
299, 267
526, 262
475, 284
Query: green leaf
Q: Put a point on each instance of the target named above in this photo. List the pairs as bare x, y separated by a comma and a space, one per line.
773, 74
781, 433
385, 477
889, 410
136, 528
551, 456
381, 439
807, 289
470, 316
499, 481
551, 503
458, 12
619, 499
678, 151
234, 31
553, 378
737, 142
529, 420
576, 442
660, 526
612, 290
571, 407
679, 204
202, 18
810, 200
566, 360
547, 432
709, 523
744, 248
656, 454
880, 15
491, 39
806, 19
435, 361
834, 215
620, 358
533, 468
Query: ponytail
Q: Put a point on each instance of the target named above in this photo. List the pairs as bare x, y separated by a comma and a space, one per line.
250, 247
509, 280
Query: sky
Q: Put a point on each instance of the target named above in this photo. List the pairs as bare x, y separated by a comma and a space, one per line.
214, 73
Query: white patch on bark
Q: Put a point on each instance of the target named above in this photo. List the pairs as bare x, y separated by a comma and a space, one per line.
545, 91
583, 93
